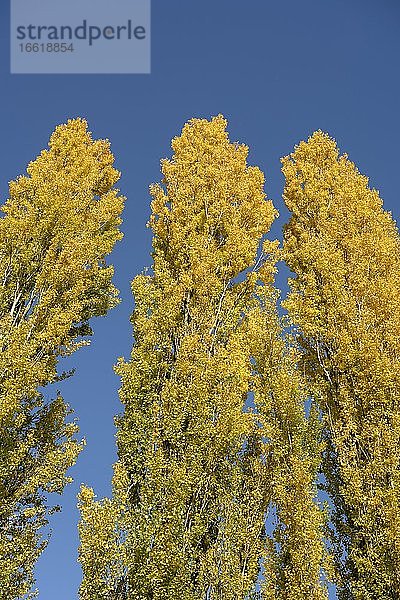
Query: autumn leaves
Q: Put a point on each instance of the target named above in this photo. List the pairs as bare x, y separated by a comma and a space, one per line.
60, 218
199, 471
232, 426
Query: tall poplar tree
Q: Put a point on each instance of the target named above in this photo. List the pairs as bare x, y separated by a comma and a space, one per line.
197, 466
344, 250
59, 223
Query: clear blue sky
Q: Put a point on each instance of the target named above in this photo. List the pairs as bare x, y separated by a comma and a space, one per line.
277, 71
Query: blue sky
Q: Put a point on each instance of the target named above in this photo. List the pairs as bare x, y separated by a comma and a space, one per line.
277, 71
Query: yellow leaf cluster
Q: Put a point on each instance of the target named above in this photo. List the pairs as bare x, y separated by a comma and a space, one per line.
344, 250
60, 222
198, 468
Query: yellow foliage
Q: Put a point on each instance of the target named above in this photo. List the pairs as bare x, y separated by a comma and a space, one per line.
345, 299
191, 485
59, 223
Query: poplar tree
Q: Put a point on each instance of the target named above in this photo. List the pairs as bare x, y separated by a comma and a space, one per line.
59, 223
344, 251
198, 466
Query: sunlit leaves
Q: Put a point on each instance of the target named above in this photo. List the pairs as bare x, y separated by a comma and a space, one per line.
59, 223
345, 298
197, 469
